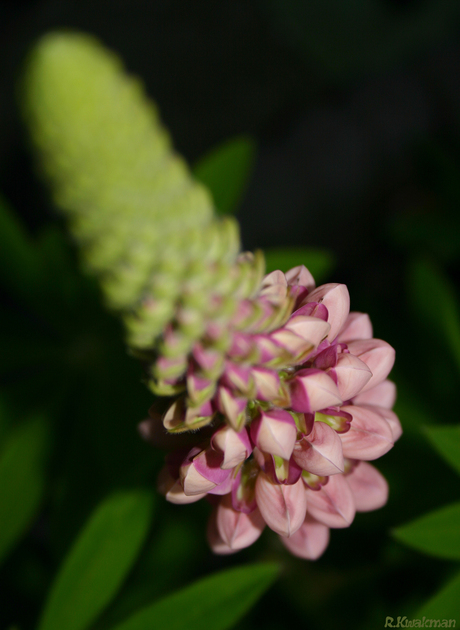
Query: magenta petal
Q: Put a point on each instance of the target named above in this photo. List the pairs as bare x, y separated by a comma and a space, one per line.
333, 504
352, 374
300, 276
283, 507
274, 432
383, 395
368, 486
310, 541
223, 488
312, 309
208, 464
312, 390
235, 446
237, 529
378, 355
321, 452
370, 435
336, 299
357, 326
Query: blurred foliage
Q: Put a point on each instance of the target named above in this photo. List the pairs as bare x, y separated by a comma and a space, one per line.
348, 40
226, 170
22, 474
216, 602
320, 262
98, 562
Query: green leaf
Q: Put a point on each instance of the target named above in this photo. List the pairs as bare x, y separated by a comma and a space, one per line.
446, 440
436, 533
445, 604
99, 561
22, 479
424, 231
319, 262
20, 264
216, 602
226, 171
435, 301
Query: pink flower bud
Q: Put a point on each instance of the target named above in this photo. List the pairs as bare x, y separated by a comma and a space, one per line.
350, 374
311, 329
391, 418
243, 347
378, 355
235, 446
267, 383
368, 486
320, 452
294, 346
233, 408
336, 418
238, 529
279, 470
336, 299
314, 482
180, 418
283, 507
357, 326
382, 395
333, 504
312, 309
300, 276
172, 489
274, 432
199, 389
272, 279
268, 350
274, 287
309, 541
238, 378
312, 390
201, 472
170, 368
370, 435
210, 360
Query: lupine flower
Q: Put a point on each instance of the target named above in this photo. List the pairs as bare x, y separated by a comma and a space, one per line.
300, 404
278, 395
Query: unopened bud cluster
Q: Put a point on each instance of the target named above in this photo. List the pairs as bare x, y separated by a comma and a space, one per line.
289, 401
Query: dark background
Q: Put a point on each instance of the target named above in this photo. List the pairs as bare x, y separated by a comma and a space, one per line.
355, 107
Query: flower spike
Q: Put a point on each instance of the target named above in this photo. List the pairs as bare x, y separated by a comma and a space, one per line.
278, 395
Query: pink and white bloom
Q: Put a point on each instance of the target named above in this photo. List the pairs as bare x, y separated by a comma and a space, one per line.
289, 402
320, 452
274, 432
